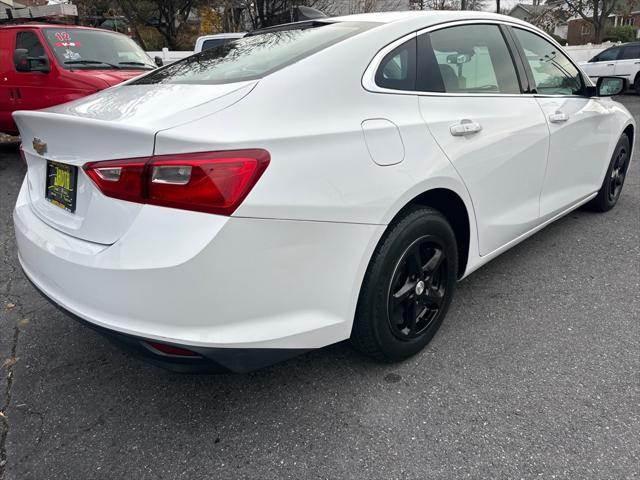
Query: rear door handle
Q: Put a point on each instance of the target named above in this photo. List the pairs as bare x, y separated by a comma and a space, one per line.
611, 64
558, 117
465, 127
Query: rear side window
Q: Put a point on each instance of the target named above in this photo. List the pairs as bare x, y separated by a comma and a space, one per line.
30, 42
254, 56
398, 68
631, 52
553, 72
473, 59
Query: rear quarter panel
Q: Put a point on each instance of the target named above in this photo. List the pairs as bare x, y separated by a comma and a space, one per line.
309, 117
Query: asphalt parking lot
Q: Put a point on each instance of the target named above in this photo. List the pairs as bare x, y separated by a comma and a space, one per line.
535, 374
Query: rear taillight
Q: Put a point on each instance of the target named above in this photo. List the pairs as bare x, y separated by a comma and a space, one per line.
212, 182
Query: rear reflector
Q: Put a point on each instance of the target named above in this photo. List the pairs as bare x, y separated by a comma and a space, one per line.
171, 350
211, 182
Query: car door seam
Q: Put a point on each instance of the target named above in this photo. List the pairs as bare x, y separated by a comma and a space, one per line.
435, 139
546, 164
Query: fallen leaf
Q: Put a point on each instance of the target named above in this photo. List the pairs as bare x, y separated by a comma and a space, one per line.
9, 306
10, 362
23, 323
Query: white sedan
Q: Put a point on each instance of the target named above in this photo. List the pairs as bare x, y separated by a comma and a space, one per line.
311, 183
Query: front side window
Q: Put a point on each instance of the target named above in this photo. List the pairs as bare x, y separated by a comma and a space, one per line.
607, 56
553, 72
254, 56
474, 59
398, 68
30, 42
93, 49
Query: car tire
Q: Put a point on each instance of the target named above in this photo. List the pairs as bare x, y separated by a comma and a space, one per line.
408, 286
636, 85
613, 182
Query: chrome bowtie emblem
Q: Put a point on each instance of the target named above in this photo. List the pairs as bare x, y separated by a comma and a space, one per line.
39, 146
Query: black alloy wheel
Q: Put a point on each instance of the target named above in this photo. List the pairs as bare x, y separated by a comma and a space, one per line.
618, 173
417, 289
611, 188
408, 286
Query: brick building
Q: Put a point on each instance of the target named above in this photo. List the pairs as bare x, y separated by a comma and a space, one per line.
580, 31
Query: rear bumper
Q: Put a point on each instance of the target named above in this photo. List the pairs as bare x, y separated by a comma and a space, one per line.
240, 292
209, 360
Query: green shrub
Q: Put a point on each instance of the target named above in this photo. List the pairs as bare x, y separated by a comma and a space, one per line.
623, 33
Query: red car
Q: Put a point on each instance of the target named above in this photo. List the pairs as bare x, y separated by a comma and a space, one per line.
43, 65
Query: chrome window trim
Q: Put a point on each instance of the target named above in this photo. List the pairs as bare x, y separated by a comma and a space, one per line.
369, 76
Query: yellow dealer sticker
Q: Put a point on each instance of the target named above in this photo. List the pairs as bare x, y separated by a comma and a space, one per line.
61, 185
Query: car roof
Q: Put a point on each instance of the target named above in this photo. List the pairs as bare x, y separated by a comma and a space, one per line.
620, 45
224, 35
428, 17
54, 25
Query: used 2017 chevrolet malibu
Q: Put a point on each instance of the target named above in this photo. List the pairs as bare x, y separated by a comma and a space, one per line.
311, 183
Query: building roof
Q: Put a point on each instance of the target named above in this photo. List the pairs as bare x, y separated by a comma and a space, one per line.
7, 4
531, 9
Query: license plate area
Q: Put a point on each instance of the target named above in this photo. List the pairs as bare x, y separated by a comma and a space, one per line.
61, 185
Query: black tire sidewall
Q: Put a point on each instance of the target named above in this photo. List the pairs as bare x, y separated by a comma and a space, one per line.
606, 184
373, 303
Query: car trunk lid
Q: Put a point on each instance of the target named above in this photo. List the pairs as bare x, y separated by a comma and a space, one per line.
105, 127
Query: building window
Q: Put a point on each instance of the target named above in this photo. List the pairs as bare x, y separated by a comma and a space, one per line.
585, 29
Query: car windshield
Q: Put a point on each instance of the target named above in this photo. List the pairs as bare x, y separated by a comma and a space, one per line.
214, 42
94, 49
253, 56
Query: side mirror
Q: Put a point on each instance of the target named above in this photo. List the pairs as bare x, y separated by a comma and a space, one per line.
610, 86
158, 60
25, 63
21, 60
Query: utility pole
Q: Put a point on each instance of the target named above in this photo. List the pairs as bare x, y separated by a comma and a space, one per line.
463, 4
497, 6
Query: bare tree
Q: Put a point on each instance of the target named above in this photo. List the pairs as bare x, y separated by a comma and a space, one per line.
169, 17
390, 5
435, 5
447, 4
265, 13
476, 5
547, 17
594, 12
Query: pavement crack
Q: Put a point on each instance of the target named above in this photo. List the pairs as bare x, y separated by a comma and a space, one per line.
7, 401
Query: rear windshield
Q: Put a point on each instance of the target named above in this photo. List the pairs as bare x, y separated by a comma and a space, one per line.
254, 56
